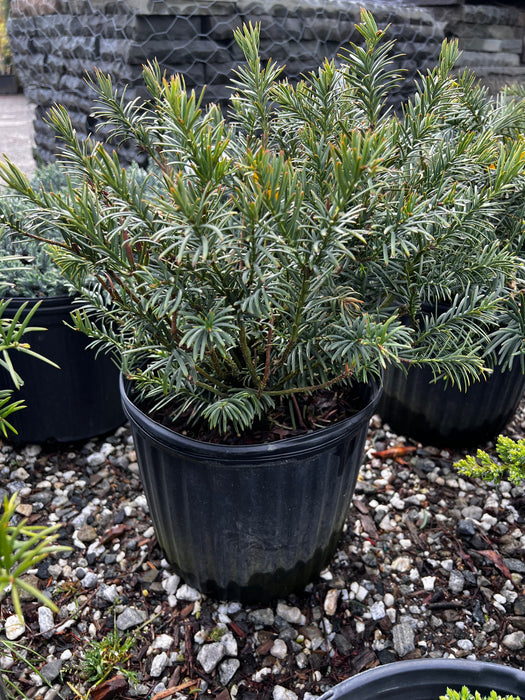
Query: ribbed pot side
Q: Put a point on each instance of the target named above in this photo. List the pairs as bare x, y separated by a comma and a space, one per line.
428, 679
76, 402
249, 522
443, 415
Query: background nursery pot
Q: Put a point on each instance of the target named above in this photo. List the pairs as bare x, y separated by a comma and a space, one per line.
77, 401
442, 414
250, 522
428, 679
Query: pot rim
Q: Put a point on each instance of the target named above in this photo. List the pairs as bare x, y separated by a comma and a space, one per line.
51, 303
314, 441
483, 670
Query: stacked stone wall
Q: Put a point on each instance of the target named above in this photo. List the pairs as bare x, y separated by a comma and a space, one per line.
491, 38
57, 43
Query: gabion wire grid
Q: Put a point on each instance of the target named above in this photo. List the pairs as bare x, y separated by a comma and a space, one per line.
56, 43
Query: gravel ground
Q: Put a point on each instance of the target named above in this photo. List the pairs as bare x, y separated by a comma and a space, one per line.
429, 565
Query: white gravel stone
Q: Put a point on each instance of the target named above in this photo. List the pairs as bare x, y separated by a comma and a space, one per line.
210, 656
45, 621
397, 502
200, 636
228, 669
377, 610
158, 665
389, 600
488, 521
229, 643
7, 661
291, 614
14, 628
20, 474
387, 524
162, 642
32, 451
261, 674
108, 593
456, 581
465, 645
330, 601
188, 593
401, 564
279, 649
428, 582
171, 584
96, 459
359, 591
282, 693
262, 616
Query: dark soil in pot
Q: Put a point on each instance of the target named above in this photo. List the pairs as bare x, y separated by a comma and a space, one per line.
443, 415
428, 679
78, 401
250, 522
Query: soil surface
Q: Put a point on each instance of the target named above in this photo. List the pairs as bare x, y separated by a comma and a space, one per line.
430, 564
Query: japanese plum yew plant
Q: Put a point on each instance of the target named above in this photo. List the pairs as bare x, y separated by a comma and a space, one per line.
510, 463
263, 261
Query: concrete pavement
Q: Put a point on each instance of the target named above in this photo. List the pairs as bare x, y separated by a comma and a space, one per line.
16, 131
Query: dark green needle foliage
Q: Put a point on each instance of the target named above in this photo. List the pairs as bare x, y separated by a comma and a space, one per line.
279, 249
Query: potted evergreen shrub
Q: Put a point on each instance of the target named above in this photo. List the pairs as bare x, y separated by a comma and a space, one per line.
430, 276
429, 679
239, 283
77, 396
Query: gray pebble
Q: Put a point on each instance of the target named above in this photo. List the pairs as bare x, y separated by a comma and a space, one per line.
403, 637
130, 617
45, 621
279, 649
516, 565
210, 656
263, 616
228, 669
515, 641
473, 512
158, 664
282, 693
51, 670
466, 528
456, 581
90, 580
290, 614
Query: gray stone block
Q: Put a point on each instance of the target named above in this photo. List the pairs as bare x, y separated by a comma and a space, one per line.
488, 31
145, 28
490, 45
480, 58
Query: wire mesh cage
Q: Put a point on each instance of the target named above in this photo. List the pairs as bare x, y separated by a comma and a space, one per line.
56, 43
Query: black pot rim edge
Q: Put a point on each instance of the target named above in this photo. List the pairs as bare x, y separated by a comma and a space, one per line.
51, 303
443, 666
318, 439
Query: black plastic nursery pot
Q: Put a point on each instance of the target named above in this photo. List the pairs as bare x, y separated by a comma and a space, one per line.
441, 414
76, 402
249, 522
428, 679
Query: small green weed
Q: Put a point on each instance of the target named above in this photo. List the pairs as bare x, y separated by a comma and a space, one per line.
107, 655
